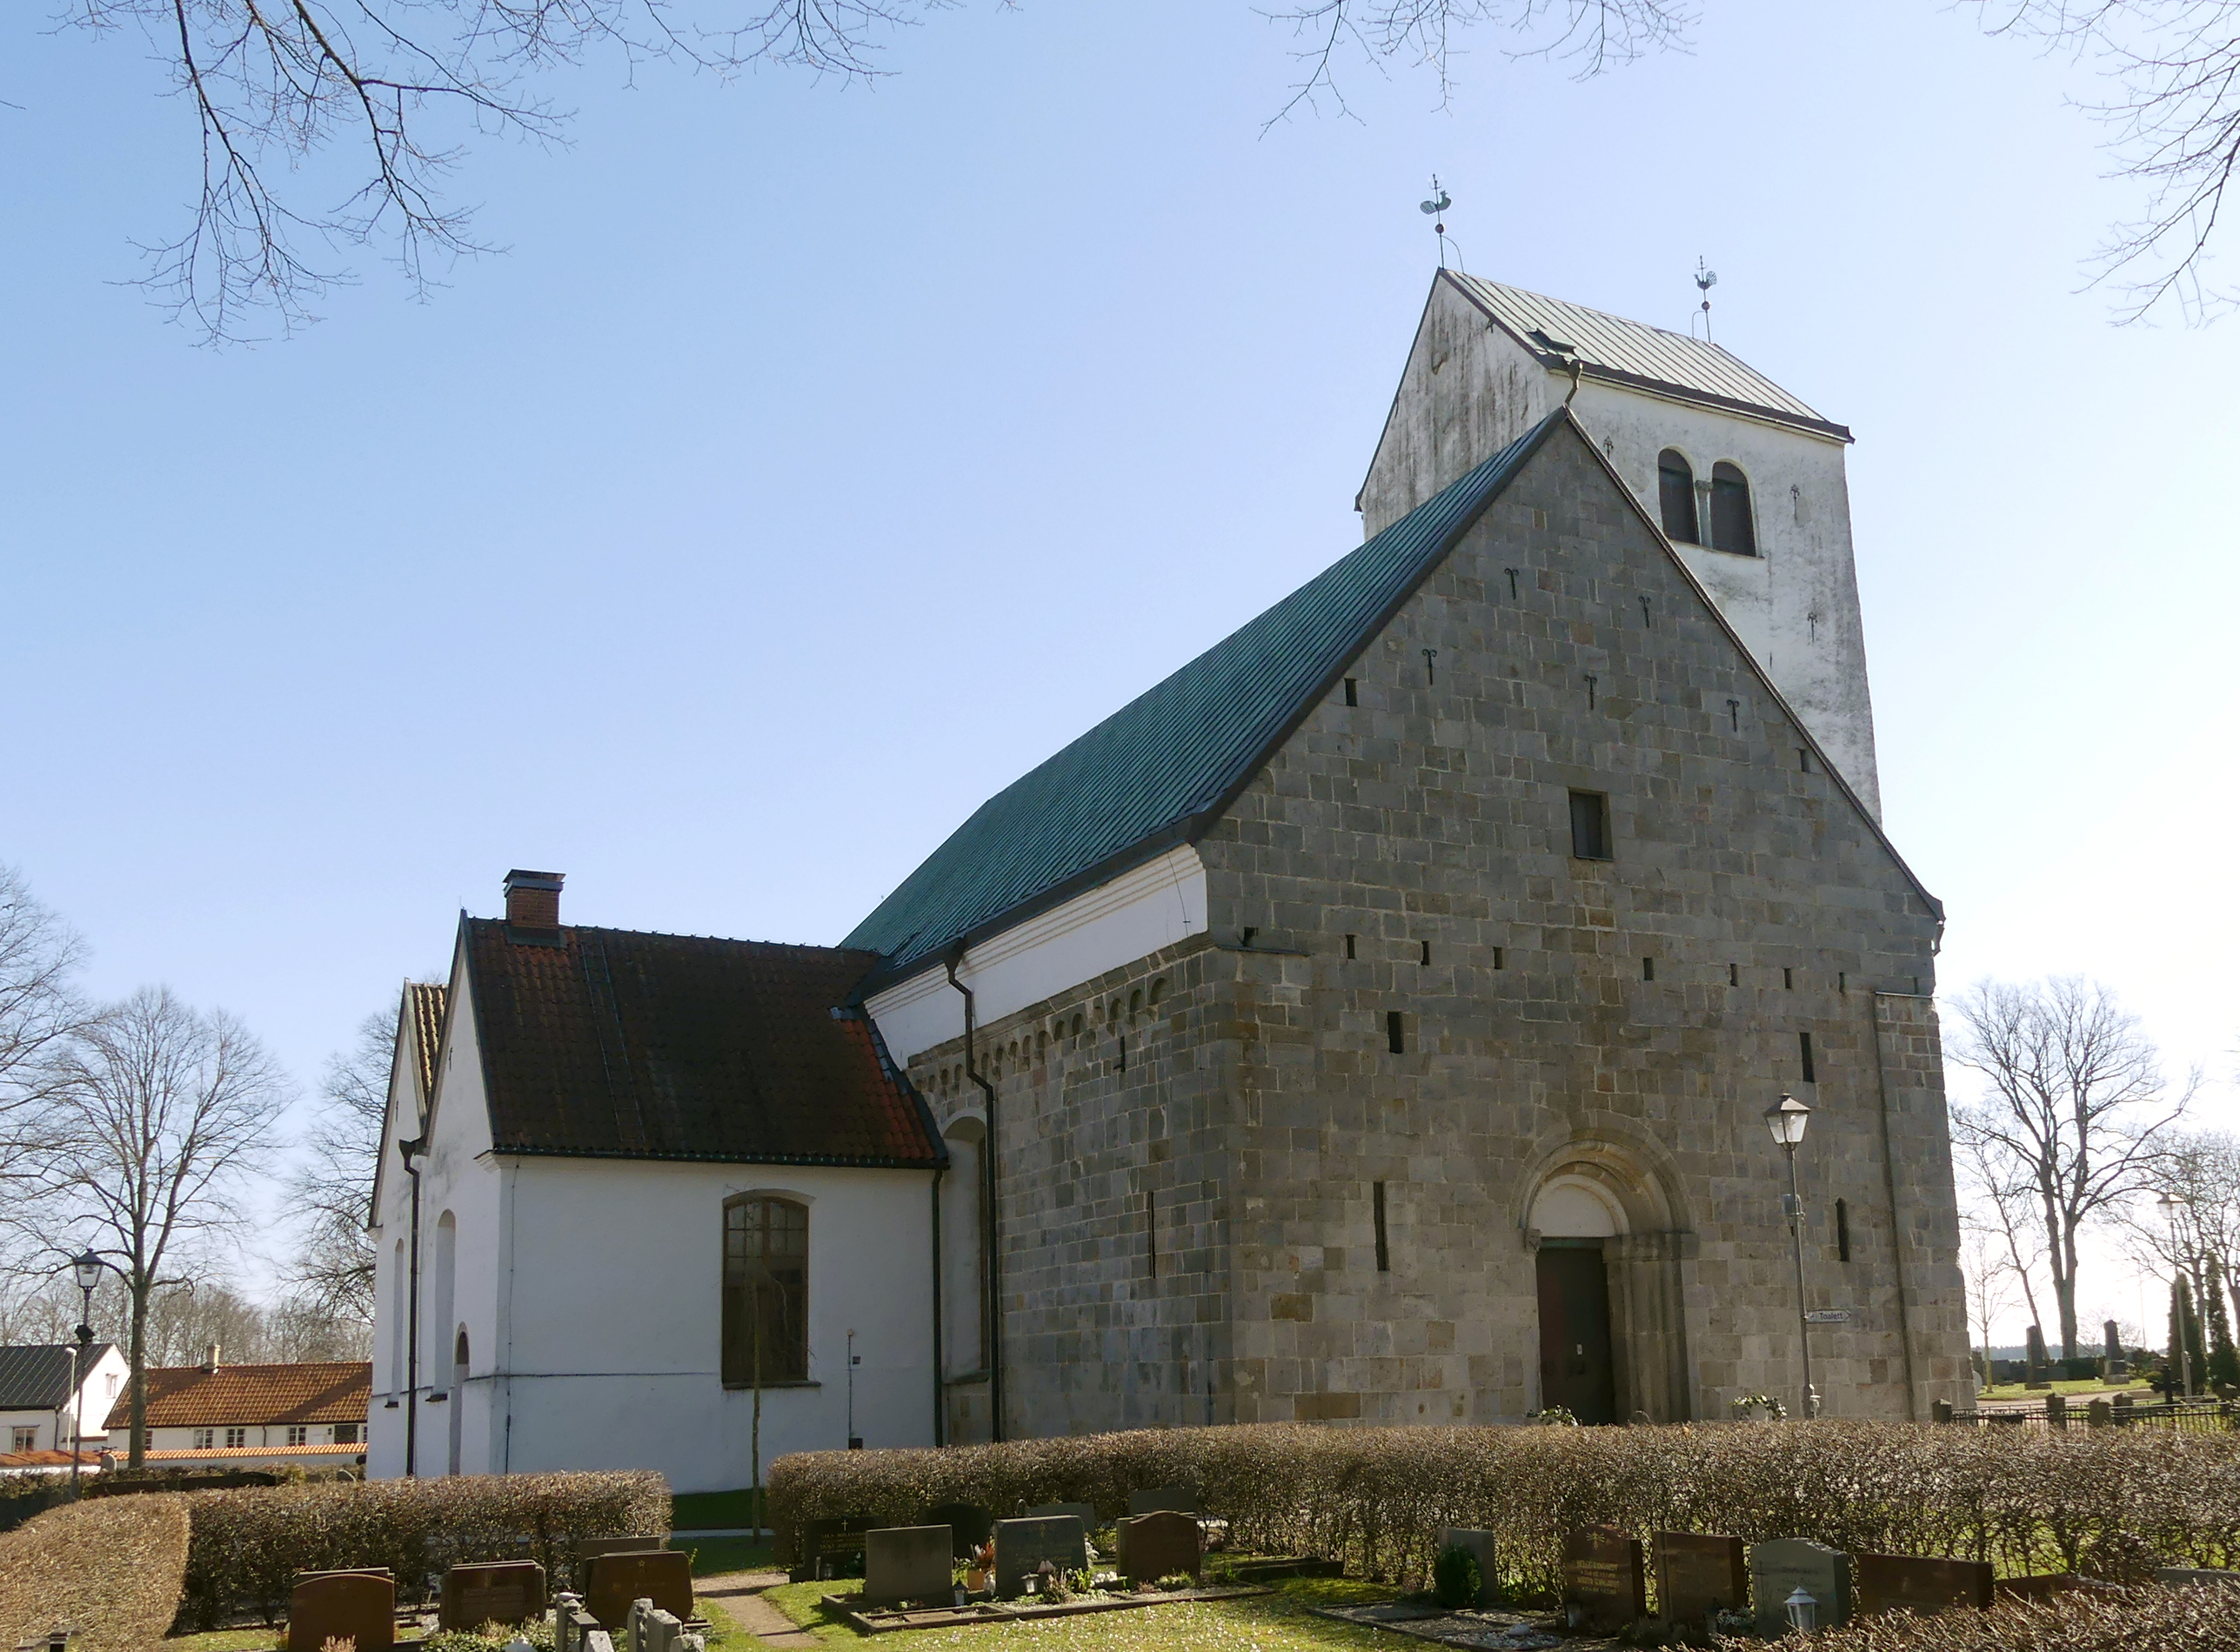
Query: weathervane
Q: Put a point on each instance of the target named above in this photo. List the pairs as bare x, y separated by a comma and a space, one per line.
1705, 280
1432, 209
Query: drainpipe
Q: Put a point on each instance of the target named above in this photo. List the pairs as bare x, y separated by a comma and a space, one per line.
940, 1365
408, 1151
994, 1254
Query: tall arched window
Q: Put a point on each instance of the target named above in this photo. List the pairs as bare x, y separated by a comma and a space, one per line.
1676, 496
766, 1291
1731, 528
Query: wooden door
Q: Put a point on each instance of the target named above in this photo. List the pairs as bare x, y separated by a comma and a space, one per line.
1574, 1334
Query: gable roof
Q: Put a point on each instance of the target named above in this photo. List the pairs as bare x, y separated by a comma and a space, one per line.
1620, 352
1162, 769
614, 1043
423, 1002
186, 1396
36, 1377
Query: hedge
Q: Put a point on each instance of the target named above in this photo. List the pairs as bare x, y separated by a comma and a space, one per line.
112, 1568
2197, 1620
249, 1544
2111, 1502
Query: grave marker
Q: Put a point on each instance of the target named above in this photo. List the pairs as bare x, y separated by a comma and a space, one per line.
1160, 1544
906, 1563
2118, 1366
1022, 1545
1481, 1545
652, 1630
359, 1607
1159, 1499
1917, 1583
1697, 1575
1085, 1513
1779, 1568
492, 1592
969, 1526
663, 1576
2035, 1363
587, 1548
1603, 1575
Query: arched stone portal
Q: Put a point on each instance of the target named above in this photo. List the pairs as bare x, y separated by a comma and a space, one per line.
1608, 1243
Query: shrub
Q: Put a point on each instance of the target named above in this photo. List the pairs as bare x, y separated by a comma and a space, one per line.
114, 1570
1456, 1577
2112, 1502
249, 1544
2199, 1620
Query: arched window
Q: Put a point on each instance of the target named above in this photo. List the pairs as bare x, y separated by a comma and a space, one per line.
1676, 498
766, 1291
1731, 529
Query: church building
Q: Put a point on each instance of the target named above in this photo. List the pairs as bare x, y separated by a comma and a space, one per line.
1374, 1022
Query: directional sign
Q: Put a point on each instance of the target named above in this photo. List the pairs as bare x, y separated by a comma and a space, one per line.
1828, 1316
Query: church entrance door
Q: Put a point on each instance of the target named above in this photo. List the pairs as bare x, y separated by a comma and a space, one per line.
1575, 1370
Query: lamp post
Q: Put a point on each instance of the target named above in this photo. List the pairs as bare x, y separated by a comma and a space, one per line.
1786, 1119
85, 1268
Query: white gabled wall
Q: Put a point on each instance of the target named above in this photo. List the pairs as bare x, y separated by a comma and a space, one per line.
1147, 908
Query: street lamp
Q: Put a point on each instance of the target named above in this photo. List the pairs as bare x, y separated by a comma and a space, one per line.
1786, 1119
85, 1268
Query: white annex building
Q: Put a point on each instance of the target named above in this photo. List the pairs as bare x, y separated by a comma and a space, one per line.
1371, 1022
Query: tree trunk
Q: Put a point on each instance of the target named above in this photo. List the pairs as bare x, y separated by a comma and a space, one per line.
139, 1457
2064, 1294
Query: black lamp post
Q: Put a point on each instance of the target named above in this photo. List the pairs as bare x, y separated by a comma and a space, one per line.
1786, 1119
85, 1268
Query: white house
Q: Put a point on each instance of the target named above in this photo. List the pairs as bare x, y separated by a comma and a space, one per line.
41, 1409
309, 1415
633, 1183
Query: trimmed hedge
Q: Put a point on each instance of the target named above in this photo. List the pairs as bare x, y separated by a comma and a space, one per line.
2197, 1620
249, 1544
113, 1569
2113, 1503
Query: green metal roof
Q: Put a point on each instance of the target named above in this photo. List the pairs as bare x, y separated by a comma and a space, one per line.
1159, 770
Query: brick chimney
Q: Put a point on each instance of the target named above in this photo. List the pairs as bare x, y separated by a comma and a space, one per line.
211, 1364
532, 898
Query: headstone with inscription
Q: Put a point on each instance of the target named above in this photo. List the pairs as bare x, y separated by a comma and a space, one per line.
1481, 1545
2118, 1365
1779, 1568
1163, 1543
1697, 1575
587, 1546
1153, 1499
1022, 1545
2035, 1351
906, 1563
1921, 1584
357, 1606
663, 1576
829, 1548
1603, 1576
492, 1592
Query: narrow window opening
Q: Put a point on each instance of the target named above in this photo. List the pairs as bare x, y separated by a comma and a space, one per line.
1151, 1230
1395, 1039
1804, 1054
1591, 680
1649, 969
1427, 952
1733, 974
1731, 527
1842, 1231
1804, 761
1916, 987
1123, 1052
1376, 1209
1248, 933
1842, 980
1349, 945
1590, 825
1675, 496
1788, 978
1352, 693
1498, 963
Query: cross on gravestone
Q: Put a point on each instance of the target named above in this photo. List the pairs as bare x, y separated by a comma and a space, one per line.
969, 1526
492, 1592
1781, 1567
587, 1549
1603, 1576
1022, 1545
1697, 1575
664, 1576
1481, 1545
1917, 1583
829, 1548
906, 1563
1156, 1499
1163, 1543
358, 1607
2035, 1351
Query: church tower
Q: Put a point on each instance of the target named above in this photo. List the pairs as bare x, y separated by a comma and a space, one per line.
1746, 480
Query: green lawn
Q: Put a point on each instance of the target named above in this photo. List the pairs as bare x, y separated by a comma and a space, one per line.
1274, 1622
712, 1556
2090, 1387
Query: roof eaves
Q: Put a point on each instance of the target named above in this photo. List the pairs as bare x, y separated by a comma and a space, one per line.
842, 1160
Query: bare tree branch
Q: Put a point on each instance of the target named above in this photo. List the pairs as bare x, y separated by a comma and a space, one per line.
38, 1010
333, 1186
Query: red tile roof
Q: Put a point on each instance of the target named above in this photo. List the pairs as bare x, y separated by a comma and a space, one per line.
424, 999
619, 1044
236, 1395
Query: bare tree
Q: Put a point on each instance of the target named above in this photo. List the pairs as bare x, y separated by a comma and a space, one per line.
1999, 1211
2190, 1222
2073, 1112
333, 1184
1985, 1261
39, 956
158, 1114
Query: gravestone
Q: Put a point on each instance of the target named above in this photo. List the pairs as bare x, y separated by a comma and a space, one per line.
2044, 1586
358, 1607
586, 1547
2098, 1414
2036, 1377
969, 1526
1481, 1545
2056, 1412
663, 1576
1159, 1499
2121, 1406
1697, 1575
829, 1548
1603, 1575
906, 1563
1779, 1568
2118, 1367
492, 1592
1916, 1583
652, 1630
2174, 1576
1022, 1545
1085, 1513
1160, 1544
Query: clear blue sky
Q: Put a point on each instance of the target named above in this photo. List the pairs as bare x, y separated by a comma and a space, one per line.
818, 459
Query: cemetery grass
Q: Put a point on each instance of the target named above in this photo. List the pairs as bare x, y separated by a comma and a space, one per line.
1279, 1622
714, 1556
2085, 1388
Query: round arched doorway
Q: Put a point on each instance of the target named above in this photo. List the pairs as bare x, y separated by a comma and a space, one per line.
1574, 1213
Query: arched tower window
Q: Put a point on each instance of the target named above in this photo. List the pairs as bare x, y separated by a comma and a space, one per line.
1731, 529
766, 1291
1676, 496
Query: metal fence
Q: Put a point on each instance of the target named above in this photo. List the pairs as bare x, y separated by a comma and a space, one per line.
2203, 1414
